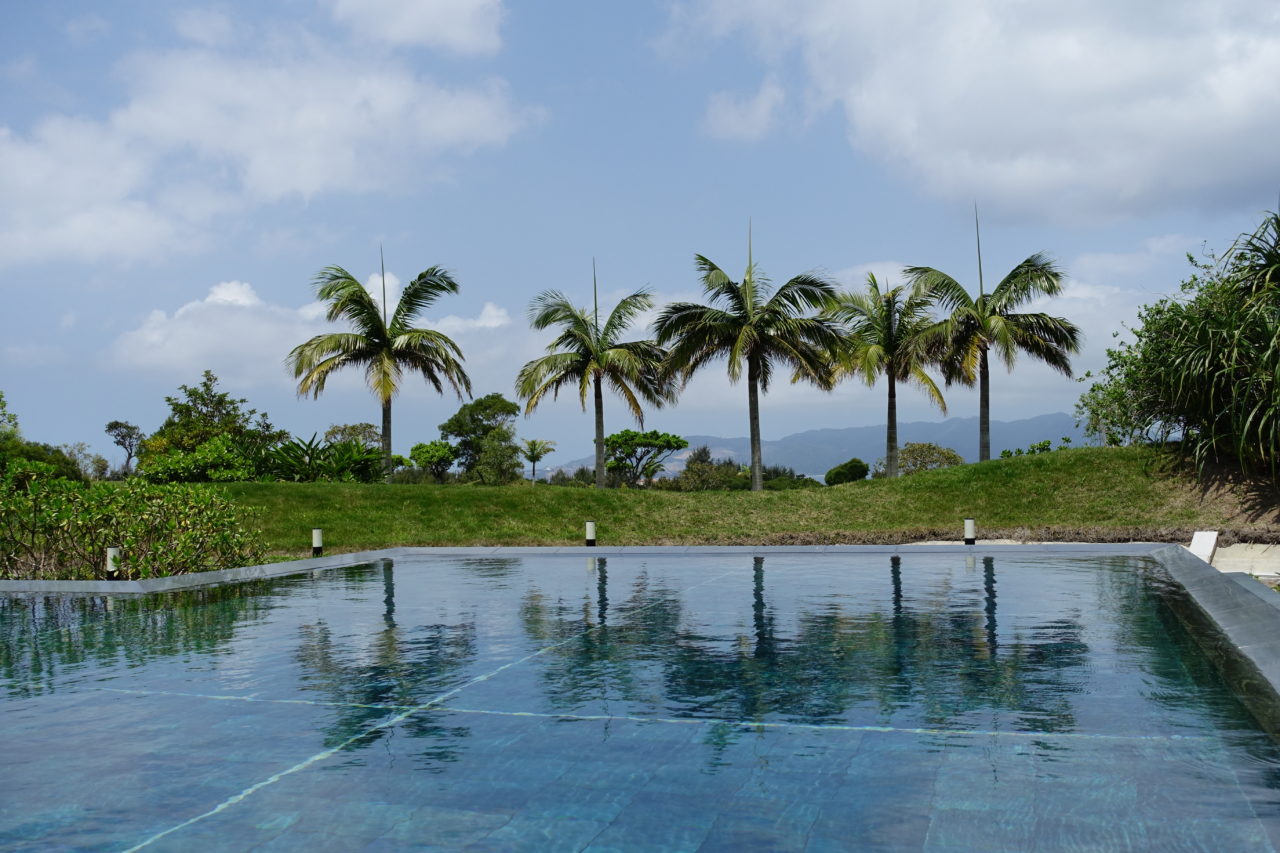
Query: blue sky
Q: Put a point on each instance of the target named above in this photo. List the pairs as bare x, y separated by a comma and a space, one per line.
172, 177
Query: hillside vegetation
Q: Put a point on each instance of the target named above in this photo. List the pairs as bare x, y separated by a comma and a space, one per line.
1085, 494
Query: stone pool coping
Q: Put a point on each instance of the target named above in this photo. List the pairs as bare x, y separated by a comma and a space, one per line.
1242, 614
274, 570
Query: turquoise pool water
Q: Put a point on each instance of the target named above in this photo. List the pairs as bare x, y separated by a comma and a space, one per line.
710, 702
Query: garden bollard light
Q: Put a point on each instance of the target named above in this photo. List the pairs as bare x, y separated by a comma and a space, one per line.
317, 542
970, 534
113, 562
591, 533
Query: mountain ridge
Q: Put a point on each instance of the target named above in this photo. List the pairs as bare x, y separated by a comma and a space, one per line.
816, 451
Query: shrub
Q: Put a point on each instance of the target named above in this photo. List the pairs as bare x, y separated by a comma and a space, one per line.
926, 456
338, 461
51, 527
435, 457
217, 460
847, 472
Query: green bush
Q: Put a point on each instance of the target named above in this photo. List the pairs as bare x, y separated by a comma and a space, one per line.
848, 472
217, 460
14, 448
52, 527
307, 461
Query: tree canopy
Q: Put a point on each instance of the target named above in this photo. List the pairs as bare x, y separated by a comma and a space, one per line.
474, 421
1205, 367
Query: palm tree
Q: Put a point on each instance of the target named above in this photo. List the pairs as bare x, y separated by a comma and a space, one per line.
886, 337
534, 450
976, 326
385, 349
754, 330
591, 356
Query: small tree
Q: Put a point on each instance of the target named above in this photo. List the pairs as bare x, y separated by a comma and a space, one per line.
498, 461
639, 456
534, 450
852, 471
203, 413
473, 422
366, 434
920, 456
435, 457
8, 420
128, 438
92, 466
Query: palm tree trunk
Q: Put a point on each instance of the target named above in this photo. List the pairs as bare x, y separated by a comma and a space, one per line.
753, 416
386, 437
984, 408
599, 398
891, 432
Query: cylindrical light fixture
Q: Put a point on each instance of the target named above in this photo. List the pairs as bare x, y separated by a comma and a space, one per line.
970, 532
317, 542
113, 562
591, 533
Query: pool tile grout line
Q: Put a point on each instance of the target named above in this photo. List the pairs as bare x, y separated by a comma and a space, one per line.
679, 721
385, 724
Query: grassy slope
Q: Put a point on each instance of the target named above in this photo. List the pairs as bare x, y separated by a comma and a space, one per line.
1087, 494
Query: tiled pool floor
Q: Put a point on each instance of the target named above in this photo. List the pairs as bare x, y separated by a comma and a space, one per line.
718, 704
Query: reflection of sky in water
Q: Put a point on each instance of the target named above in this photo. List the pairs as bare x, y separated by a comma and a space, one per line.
631, 701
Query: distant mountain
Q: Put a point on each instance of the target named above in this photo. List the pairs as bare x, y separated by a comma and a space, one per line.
816, 451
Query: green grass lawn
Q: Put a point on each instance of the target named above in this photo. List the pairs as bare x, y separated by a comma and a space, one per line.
1086, 494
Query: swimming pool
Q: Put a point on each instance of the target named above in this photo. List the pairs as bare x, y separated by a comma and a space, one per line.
744, 700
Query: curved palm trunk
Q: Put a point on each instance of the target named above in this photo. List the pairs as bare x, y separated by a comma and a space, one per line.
984, 408
599, 398
891, 432
386, 437
753, 416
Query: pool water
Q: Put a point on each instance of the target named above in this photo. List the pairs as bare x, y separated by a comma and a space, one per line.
636, 702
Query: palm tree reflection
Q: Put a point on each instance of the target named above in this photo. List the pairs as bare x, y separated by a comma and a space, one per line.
373, 678
925, 659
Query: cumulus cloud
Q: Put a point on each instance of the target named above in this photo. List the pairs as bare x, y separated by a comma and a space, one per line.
490, 317
86, 28
730, 116
1086, 109
75, 188
205, 133
233, 331
306, 126
207, 27
459, 26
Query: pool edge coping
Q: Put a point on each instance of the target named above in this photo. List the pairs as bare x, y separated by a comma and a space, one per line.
196, 580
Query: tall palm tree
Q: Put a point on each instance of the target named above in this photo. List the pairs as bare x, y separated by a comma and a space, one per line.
886, 337
991, 322
752, 329
384, 348
591, 356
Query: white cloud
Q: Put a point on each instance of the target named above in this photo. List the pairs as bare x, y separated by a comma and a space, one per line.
460, 26
730, 116
204, 134
245, 339
86, 28
305, 126
490, 317
231, 331
1084, 109
74, 188
207, 27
